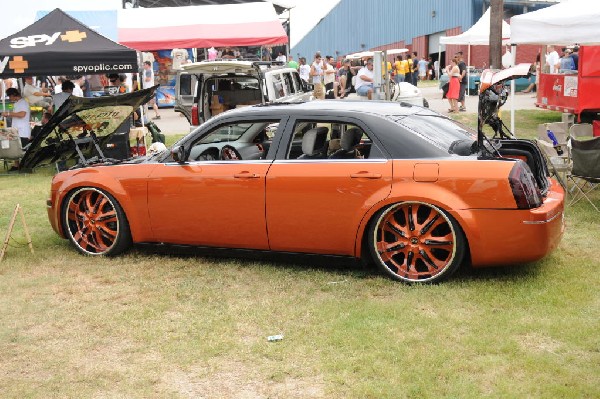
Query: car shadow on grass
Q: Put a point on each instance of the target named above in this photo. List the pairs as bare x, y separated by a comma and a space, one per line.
343, 265
245, 257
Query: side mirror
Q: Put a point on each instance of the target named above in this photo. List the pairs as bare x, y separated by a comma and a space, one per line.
307, 87
178, 154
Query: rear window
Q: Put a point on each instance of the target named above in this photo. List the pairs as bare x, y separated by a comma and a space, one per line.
441, 131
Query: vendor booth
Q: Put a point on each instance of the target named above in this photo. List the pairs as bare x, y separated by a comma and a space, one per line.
477, 35
58, 44
165, 30
566, 24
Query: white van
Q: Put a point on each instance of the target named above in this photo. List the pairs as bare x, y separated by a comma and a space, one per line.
207, 88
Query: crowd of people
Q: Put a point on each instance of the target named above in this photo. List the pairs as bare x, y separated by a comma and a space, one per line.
334, 78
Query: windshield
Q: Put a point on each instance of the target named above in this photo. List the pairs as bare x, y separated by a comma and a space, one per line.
439, 130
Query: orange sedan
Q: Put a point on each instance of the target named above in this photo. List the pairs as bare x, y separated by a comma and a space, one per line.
399, 185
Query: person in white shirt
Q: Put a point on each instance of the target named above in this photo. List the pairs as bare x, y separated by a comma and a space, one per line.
552, 59
147, 82
316, 73
329, 78
20, 116
36, 96
364, 80
281, 57
304, 70
78, 81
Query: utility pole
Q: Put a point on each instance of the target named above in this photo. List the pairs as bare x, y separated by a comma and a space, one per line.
496, 14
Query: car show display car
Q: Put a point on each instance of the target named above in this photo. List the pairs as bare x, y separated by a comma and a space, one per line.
395, 184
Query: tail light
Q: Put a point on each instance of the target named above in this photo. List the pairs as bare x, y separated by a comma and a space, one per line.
195, 116
525, 190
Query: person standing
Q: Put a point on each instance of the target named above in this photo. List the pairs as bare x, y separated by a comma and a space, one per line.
422, 65
67, 90
20, 117
415, 68
463, 81
329, 74
575, 56
292, 64
552, 60
316, 73
399, 69
148, 82
304, 70
453, 85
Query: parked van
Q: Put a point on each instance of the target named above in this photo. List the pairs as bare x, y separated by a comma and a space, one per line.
207, 88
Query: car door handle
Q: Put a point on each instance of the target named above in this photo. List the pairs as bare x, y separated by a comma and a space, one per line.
365, 175
246, 175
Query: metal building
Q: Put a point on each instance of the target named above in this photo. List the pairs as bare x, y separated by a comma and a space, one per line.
358, 25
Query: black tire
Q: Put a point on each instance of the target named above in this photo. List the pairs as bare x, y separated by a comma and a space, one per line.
416, 242
95, 223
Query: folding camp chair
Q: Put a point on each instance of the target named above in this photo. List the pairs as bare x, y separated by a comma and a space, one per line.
579, 130
585, 171
10, 145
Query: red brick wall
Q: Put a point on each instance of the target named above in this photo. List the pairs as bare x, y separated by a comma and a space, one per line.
479, 54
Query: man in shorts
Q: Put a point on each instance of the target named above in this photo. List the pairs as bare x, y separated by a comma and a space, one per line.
364, 80
149, 82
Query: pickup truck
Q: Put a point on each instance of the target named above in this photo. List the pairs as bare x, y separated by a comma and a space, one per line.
206, 88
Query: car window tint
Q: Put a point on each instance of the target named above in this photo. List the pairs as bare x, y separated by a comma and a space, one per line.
331, 140
297, 82
439, 130
185, 84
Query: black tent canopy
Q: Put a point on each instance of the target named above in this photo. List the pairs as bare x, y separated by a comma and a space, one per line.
58, 44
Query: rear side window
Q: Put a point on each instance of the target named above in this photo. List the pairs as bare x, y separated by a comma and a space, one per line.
278, 86
185, 85
443, 132
332, 140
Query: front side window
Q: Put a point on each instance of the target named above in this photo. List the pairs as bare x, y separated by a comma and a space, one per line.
235, 141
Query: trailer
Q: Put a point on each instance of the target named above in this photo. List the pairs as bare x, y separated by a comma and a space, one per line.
577, 93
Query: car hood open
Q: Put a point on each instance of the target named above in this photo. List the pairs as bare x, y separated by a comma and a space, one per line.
78, 119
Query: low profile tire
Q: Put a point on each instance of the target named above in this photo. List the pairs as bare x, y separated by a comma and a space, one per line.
95, 222
416, 242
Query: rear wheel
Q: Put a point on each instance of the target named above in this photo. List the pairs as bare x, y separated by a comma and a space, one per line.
416, 242
95, 222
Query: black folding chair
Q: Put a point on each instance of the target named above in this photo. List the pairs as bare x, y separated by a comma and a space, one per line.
585, 170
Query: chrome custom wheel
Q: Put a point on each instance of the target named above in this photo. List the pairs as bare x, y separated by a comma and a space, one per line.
416, 242
95, 222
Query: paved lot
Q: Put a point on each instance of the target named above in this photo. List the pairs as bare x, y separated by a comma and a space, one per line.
172, 122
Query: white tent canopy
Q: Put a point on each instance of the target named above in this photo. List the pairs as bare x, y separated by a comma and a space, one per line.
478, 34
568, 22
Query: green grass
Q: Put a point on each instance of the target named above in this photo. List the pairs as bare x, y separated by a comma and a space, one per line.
526, 121
171, 326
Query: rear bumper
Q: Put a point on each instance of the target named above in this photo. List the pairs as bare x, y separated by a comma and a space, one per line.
504, 237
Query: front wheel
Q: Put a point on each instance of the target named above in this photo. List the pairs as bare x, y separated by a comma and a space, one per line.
416, 242
95, 222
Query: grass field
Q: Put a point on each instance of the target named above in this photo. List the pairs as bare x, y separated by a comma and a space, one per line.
150, 325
